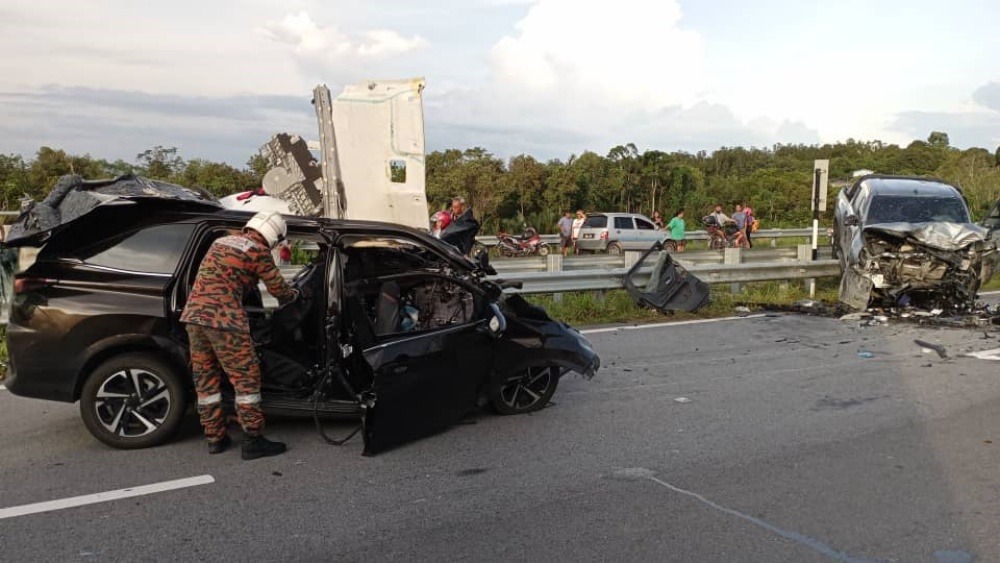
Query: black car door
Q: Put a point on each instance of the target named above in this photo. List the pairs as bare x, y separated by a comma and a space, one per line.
424, 380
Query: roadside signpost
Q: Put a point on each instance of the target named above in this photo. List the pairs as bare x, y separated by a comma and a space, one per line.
821, 181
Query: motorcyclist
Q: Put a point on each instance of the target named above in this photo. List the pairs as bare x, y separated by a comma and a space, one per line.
219, 330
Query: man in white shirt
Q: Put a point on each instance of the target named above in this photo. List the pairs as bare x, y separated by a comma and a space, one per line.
577, 225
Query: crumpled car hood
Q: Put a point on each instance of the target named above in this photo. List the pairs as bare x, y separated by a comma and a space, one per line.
73, 197
937, 235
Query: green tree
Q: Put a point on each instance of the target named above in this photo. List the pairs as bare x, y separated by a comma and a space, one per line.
938, 139
160, 162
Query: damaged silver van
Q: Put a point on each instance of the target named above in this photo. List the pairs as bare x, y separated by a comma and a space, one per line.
909, 241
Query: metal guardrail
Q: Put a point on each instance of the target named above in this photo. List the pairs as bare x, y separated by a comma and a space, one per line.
600, 280
556, 274
611, 261
763, 234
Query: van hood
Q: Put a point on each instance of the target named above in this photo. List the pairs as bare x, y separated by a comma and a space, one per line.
73, 197
938, 235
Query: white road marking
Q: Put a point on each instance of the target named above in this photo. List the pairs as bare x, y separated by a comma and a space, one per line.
95, 498
2, 388
989, 293
640, 473
668, 324
993, 354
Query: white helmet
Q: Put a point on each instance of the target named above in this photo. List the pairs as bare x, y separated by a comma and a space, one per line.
270, 224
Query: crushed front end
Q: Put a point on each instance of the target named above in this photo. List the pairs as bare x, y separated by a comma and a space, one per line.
932, 265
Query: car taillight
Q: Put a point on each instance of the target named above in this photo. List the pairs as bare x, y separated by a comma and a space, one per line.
23, 285
604, 235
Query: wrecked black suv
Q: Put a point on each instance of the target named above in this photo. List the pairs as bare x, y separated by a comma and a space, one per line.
393, 328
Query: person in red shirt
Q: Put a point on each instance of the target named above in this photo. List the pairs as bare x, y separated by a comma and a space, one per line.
219, 330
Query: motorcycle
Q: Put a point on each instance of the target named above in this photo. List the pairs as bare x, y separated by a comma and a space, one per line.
722, 236
528, 244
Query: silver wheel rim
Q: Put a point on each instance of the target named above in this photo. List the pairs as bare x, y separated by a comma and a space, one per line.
526, 389
132, 403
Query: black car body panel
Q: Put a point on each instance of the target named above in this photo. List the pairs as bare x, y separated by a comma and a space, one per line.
114, 280
73, 197
670, 287
904, 240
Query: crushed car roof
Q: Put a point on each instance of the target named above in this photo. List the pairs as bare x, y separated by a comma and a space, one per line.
73, 197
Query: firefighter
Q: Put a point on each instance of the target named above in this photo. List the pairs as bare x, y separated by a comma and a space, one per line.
219, 331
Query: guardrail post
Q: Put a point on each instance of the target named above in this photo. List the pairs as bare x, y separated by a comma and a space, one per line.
733, 256
554, 263
805, 255
631, 257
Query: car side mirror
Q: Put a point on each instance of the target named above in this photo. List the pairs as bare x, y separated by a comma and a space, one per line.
498, 323
852, 221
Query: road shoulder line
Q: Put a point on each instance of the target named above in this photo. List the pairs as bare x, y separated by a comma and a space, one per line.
72, 502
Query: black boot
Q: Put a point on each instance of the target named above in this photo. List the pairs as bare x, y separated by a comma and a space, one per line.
259, 446
219, 446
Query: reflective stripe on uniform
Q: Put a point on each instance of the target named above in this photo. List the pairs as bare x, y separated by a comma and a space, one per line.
210, 400
250, 399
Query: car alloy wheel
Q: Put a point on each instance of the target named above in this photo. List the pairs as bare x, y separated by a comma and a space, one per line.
526, 391
132, 402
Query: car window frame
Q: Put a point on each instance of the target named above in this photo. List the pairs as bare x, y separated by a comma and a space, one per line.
192, 233
630, 220
638, 220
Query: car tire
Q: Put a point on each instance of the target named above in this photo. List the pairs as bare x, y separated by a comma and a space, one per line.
133, 401
526, 391
615, 248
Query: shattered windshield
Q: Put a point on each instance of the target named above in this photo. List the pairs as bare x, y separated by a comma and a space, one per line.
916, 209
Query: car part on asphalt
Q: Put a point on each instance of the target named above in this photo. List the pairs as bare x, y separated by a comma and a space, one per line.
670, 287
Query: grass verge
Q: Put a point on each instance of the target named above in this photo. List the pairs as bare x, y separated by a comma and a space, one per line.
590, 307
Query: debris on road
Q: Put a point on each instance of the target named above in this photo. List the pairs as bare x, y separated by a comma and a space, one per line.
682, 400
856, 316
866, 354
941, 351
742, 311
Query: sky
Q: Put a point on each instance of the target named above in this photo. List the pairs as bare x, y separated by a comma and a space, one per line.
549, 78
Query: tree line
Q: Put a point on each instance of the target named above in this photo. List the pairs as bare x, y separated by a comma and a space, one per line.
522, 190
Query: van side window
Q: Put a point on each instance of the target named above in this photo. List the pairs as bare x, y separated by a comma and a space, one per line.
154, 250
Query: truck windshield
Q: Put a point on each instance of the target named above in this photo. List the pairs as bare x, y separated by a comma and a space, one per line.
916, 209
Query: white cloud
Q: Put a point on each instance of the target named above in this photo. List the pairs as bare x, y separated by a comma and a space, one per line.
307, 38
629, 52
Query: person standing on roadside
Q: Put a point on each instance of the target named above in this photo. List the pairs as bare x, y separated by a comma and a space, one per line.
219, 331
751, 224
577, 225
677, 229
565, 226
740, 218
658, 220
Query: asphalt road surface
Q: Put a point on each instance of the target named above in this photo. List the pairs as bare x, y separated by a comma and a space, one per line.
788, 447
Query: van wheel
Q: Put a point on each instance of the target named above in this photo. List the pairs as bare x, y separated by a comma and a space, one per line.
133, 401
614, 248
